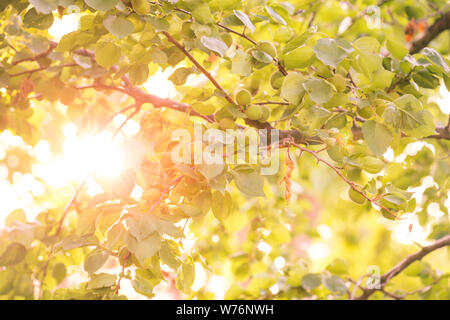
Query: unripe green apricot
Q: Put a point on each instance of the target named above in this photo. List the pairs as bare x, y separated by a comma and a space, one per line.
243, 97
254, 112
372, 164
227, 123
355, 196
339, 82
366, 112
380, 106
125, 258
267, 47
322, 70
141, 7
186, 30
276, 80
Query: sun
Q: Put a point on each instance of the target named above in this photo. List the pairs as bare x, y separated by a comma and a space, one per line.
91, 154
83, 155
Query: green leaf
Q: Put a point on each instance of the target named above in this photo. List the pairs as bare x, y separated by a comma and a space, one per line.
188, 274
143, 286
446, 82
299, 58
381, 79
319, 90
17, 215
107, 54
295, 275
44, 6
425, 79
250, 183
292, 88
261, 56
214, 44
14, 254
329, 52
338, 266
372, 164
205, 109
120, 27
168, 254
180, 75
210, 171
297, 41
59, 272
397, 49
241, 64
421, 123
33, 19
221, 204
392, 201
311, 281
138, 74
335, 284
418, 269
275, 16
377, 136
102, 5
75, 241
68, 42
4, 78
113, 235
145, 248
367, 44
140, 226
245, 20
159, 24
190, 210
369, 63
202, 13
95, 260
436, 58
101, 280
7, 277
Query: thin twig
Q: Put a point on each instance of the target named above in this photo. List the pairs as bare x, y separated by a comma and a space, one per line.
339, 173
165, 191
199, 67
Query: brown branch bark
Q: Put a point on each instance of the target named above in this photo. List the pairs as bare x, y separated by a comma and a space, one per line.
440, 25
443, 242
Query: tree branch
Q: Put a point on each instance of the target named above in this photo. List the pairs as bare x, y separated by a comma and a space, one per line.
444, 241
339, 173
441, 24
199, 67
